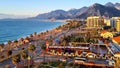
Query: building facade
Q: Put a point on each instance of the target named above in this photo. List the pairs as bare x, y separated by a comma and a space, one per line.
95, 21
115, 23
107, 22
118, 25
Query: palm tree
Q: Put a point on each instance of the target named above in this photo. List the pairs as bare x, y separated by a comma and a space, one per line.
31, 35
50, 40
43, 47
8, 53
31, 48
1, 47
64, 42
27, 38
24, 55
21, 40
60, 65
9, 44
16, 43
16, 60
35, 33
7, 66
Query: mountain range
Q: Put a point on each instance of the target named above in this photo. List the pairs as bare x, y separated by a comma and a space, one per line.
7, 16
108, 10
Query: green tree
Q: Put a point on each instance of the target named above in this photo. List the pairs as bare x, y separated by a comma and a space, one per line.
1, 57
31, 48
31, 35
35, 33
1, 47
60, 65
8, 53
22, 40
24, 54
15, 43
16, 60
9, 44
7, 66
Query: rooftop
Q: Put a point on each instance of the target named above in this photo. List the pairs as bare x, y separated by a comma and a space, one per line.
117, 39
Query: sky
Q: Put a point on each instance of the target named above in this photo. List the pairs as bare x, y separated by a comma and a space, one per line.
34, 7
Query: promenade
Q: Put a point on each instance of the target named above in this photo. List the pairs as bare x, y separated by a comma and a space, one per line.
37, 40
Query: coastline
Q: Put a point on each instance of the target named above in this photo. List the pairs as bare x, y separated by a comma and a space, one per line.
38, 39
38, 32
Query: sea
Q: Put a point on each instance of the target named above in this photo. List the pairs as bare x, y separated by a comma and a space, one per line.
13, 29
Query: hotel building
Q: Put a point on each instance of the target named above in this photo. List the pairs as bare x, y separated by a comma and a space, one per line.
118, 25
115, 23
95, 21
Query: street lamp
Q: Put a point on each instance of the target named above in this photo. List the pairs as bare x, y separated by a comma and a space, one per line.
29, 58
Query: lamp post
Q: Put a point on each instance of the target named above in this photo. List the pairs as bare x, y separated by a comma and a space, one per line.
29, 58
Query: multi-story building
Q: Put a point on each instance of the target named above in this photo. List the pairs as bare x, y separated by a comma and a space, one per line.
95, 21
107, 22
118, 25
115, 23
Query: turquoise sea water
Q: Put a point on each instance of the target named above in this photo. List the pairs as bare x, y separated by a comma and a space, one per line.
15, 29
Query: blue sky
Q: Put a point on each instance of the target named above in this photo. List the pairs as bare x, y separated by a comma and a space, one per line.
34, 7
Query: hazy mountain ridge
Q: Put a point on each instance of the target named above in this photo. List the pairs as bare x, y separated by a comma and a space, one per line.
7, 16
61, 14
107, 10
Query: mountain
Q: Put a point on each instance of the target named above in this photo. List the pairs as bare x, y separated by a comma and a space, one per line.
116, 5
57, 14
107, 10
77, 12
61, 14
7, 16
100, 10
109, 4
3, 16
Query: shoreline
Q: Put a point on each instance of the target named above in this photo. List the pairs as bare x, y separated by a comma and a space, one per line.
38, 32
38, 39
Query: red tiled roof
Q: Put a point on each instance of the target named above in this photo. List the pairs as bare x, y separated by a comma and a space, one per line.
117, 39
117, 53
